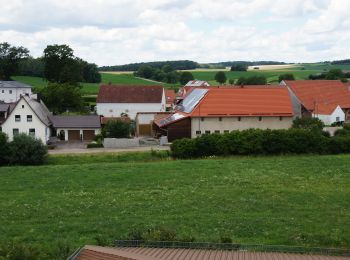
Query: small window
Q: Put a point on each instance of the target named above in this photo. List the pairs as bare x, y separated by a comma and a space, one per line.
32, 132
15, 131
281, 118
198, 132
220, 118
22, 106
217, 132
202, 119
207, 132
17, 118
226, 131
260, 118
2, 91
239, 118
337, 119
10, 91
29, 118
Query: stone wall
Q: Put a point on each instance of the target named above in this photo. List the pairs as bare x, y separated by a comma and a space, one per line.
121, 142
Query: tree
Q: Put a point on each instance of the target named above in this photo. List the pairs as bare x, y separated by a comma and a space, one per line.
220, 77
287, 76
167, 68
172, 77
185, 77
26, 150
10, 56
146, 72
31, 67
239, 67
90, 72
308, 123
334, 74
116, 129
60, 98
253, 80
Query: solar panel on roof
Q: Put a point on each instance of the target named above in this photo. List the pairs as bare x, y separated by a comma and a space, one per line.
190, 101
170, 119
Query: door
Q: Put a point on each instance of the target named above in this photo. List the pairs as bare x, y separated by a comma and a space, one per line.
145, 130
88, 135
73, 135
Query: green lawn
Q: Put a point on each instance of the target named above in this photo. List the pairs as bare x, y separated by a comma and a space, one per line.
291, 200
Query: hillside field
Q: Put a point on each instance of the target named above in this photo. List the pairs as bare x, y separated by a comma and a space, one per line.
289, 200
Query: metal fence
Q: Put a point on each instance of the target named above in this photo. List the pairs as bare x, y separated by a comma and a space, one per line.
235, 247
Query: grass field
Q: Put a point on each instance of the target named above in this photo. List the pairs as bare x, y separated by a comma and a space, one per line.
292, 200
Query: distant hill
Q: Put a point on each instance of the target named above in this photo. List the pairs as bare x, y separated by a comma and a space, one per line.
345, 62
176, 64
224, 64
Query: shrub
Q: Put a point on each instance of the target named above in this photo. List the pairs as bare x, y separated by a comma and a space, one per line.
17, 250
4, 151
184, 148
117, 129
94, 145
26, 150
308, 123
160, 234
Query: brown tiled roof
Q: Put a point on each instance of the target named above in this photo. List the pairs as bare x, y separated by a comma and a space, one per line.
170, 96
143, 253
129, 94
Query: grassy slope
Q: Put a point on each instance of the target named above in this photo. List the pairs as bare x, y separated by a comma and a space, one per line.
269, 200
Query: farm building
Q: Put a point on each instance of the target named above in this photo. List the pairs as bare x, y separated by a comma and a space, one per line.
76, 128
144, 122
29, 116
11, 91
221, 110
320, 98
118, 100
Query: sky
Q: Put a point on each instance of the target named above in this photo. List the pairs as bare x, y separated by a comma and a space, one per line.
114, 32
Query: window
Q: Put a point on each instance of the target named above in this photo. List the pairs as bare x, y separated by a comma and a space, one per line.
239, 118
260, 118
29, 118
226, 131
22, 106
217, 132
10, 91
220, 118
202, 119
281, 118
17, 118
337, 119
2, 91
15, 131
32, 132
207, 131
198, 132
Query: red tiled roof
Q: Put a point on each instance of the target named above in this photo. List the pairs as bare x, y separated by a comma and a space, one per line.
129, 94
170, 96
321, 93
245, 102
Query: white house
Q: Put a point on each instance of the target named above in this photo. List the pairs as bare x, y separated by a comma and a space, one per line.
117, 100
29, 116
329, 113
11, 91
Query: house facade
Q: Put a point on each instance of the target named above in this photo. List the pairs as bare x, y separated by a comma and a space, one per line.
119, 100
221, 110
11, 91
320, 98
29, 116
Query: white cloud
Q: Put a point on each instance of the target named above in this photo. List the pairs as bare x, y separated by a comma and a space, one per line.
112, 32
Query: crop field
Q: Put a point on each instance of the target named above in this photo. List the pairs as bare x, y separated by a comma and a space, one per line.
290, 200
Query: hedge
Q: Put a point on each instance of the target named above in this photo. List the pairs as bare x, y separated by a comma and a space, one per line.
261, 142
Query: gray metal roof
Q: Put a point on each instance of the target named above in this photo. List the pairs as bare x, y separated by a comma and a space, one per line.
88, 121
39, 109
13, 84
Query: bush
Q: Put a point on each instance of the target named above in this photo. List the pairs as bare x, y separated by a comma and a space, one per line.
184, 148
117, 129
94, 145
26, 150
4, 151
308, 123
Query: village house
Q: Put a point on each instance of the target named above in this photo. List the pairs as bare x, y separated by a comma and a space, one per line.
29, 116
119, 100
328, 100
11, 91
221, 110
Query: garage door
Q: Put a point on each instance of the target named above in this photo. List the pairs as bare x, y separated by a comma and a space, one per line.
88, 134
73, 135
145, 130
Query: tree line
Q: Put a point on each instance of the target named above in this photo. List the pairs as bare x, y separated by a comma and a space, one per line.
176, 65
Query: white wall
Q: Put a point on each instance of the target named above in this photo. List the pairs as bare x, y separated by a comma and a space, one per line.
145, 118
115, 109
231, 123
41, 130
8, 97
329, 119
58, 130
